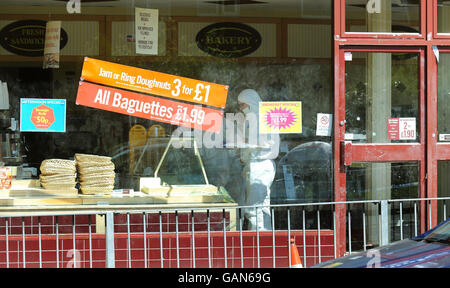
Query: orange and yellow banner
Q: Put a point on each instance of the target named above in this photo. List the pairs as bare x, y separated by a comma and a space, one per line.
149, 107
156, 83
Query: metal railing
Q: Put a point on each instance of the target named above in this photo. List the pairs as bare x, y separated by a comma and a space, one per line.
109, 236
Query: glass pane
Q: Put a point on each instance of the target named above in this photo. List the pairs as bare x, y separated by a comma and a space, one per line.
381, 181
443, 16
443, 190
382, 97
443, 97
192, 39
382, 16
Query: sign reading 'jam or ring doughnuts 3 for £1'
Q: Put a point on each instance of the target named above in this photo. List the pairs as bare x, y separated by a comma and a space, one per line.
156, 83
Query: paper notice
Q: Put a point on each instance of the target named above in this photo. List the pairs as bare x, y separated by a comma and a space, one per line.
146, 21
402, 129
324, 124
51, 46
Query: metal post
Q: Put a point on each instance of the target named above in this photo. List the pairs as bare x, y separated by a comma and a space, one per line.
289, 235
161, 240
57, 242
193, 239
177, 239
90, 242
257, 238
128, 241
304, 236
349, 220
415, 218
209, 239
40, 242
23, 242
334, 232
241, 224
145, 239
364, 229
224, 220
7, 243
384, 222
109, 236
318, 233
401, 220
273, 238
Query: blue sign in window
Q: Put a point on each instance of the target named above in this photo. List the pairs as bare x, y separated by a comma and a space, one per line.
42, 115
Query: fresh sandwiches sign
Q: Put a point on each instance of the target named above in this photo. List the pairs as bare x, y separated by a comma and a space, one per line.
228, 40
27, 37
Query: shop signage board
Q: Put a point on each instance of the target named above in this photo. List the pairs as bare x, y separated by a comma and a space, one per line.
146, 26
156, 83
42, 115
149, 107
27, 37
280, 117
228, 39
401, 128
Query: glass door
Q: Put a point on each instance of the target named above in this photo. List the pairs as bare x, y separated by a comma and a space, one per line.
441, 62
380, 140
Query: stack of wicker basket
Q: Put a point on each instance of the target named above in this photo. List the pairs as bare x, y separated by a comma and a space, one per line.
58, 174
95, 173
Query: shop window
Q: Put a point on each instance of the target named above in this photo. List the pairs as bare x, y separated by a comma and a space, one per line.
379, 16
278, 66
443, 16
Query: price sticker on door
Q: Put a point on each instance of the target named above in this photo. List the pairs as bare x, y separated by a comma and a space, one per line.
402, 129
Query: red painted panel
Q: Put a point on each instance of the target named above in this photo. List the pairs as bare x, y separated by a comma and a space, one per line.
185, 254
387, 152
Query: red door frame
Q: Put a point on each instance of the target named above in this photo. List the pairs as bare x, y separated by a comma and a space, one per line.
429, 149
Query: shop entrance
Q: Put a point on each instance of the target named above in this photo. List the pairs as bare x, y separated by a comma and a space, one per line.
381, 139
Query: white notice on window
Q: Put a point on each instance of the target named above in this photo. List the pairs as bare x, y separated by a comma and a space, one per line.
146, 21
407, 128
324, 124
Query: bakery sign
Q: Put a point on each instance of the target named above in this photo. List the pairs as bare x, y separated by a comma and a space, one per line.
27, 37
228, 40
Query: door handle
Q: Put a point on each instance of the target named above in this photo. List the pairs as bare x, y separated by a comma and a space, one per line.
346, 153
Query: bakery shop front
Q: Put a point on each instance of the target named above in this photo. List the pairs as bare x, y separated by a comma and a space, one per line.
209, 120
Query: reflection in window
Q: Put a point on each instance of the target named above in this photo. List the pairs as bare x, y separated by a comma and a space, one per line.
381, 181
304, 175
443, 190
380, 86
377, 16
443, 16
443, 106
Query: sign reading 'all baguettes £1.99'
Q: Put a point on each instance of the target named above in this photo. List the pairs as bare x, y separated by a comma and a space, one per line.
156, 83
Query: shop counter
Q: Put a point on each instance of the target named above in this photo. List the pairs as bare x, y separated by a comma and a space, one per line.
39, 202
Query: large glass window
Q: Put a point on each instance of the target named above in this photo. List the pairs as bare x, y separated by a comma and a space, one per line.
286, 63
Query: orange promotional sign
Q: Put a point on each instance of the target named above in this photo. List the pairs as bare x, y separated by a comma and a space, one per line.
149, 107
156, 83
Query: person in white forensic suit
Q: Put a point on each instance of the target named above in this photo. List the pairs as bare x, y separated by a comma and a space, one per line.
257, 156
